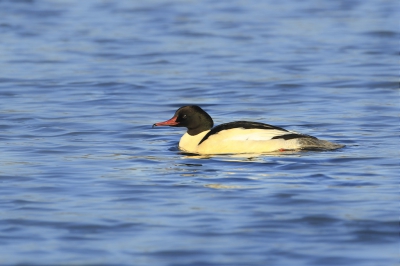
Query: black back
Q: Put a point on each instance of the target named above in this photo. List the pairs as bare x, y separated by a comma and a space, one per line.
240, 124
254, 125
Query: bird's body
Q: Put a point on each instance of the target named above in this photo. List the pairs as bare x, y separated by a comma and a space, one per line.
237, 137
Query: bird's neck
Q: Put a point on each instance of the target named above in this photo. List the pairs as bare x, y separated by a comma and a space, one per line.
189, 142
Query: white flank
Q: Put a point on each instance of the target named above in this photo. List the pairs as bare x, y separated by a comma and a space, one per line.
239, 140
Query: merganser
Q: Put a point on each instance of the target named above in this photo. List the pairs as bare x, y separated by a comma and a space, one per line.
237, 137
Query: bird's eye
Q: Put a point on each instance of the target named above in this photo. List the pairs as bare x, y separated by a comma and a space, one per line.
184, 116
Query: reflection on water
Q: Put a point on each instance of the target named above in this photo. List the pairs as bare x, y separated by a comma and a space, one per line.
221, 186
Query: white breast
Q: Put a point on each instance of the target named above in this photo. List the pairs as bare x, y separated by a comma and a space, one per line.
190, 143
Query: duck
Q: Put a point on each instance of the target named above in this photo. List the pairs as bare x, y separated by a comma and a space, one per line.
237, 137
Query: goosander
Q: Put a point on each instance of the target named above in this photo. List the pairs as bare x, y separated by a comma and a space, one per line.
237, 137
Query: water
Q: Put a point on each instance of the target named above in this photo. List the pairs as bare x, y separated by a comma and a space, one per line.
85, 180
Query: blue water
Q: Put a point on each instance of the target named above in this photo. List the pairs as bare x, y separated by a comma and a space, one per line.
85, 180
